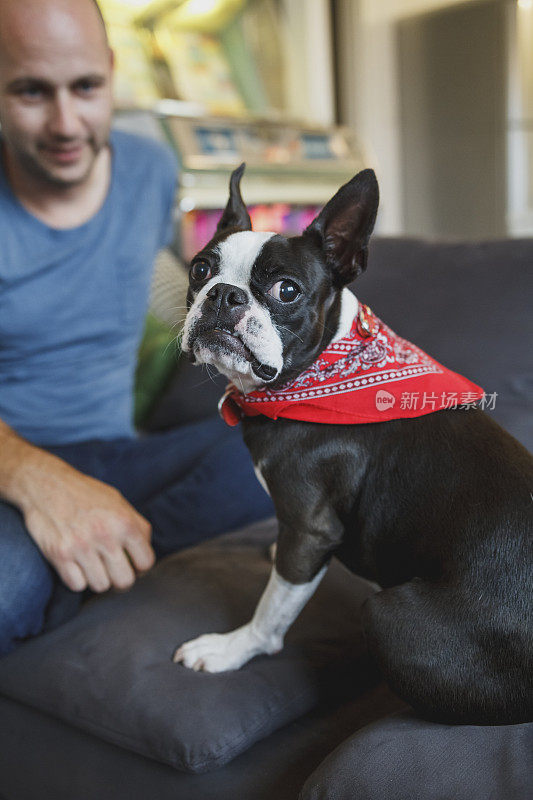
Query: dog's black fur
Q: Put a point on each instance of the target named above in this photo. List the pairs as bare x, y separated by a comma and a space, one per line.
437, 509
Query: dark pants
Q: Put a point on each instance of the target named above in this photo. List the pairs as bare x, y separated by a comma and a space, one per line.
191, 483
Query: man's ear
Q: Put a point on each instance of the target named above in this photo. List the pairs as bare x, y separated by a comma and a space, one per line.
235, 214
343, 227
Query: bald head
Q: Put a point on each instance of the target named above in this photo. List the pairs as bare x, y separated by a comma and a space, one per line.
99, 12
30, 22
55, 85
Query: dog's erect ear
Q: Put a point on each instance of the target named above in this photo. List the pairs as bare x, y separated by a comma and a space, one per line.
344, 225
235, 214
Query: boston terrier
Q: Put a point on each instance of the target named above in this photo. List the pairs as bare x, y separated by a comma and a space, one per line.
435, 508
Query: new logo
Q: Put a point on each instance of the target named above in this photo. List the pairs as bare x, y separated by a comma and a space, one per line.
384, 400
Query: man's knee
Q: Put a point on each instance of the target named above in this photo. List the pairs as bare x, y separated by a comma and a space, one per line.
26, 582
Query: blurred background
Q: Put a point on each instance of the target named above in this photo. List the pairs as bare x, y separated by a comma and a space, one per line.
435, 95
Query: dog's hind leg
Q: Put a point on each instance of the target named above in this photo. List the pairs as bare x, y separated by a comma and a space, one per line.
453, 658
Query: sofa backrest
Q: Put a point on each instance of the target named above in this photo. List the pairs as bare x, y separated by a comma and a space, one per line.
469, 305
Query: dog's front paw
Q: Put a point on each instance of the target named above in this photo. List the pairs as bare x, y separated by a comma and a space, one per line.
216, 652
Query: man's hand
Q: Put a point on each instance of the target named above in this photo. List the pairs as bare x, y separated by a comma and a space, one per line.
85, 528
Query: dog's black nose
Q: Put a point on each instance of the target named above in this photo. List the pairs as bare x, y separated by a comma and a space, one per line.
224, 295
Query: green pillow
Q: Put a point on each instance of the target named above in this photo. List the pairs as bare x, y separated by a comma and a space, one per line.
157, 359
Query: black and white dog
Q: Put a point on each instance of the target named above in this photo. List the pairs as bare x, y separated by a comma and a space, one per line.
437, 509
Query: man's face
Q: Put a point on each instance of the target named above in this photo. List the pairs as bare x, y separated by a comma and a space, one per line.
55, 88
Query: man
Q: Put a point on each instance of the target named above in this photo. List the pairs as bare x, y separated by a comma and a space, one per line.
83, 503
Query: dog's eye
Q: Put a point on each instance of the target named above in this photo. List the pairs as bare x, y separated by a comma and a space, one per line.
285, 291
200, 271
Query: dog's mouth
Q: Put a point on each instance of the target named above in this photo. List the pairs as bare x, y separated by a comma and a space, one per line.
229, 341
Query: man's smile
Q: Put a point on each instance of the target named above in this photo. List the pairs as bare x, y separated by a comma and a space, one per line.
64, 154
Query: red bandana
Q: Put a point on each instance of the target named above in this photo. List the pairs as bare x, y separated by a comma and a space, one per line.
371, 375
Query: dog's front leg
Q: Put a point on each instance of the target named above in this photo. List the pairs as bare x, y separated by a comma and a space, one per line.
280, 604
308, 535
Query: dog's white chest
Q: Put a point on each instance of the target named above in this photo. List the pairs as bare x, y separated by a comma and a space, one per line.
260, 477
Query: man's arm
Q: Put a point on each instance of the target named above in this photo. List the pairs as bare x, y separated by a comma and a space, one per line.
86, 529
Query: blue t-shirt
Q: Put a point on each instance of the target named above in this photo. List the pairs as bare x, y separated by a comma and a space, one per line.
73, 302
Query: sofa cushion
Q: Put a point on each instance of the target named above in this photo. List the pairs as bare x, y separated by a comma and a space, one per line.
403, 756
109, 670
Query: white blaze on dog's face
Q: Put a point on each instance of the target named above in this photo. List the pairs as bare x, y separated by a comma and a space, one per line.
226, 325
263, 306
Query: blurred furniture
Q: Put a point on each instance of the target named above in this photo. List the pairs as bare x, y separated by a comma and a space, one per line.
96, 709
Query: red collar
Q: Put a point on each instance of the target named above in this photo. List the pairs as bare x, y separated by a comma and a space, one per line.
370, 375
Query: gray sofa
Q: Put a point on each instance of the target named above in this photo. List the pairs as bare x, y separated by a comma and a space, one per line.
95, 710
